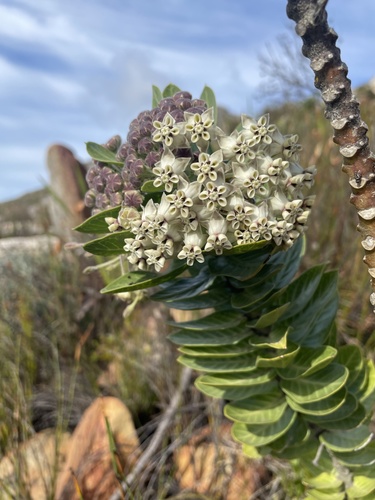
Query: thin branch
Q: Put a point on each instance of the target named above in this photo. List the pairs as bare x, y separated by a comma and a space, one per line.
342, 110
158, 437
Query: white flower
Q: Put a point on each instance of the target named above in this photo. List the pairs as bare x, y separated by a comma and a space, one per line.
207, 166
275, 168
113, 224
183, 199
250, 180
243, 236
192, 248
168, 170
239, 211
217, 235
200, 127
238, 145
262, 131
168, 131
127, 216
155, 258
215, 194
285, 145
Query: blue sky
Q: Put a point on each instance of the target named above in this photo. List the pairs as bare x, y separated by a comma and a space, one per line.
77, 70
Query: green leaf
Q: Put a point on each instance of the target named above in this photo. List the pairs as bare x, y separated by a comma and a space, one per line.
340, 418
138, 280
214, 321
308, 361
235, 393
170, 90
317, 386
211, 337
148, 187
185, 288
239, 266
263, 409
271, 317
248, 247
252, 295
215, 297
156, 96
324, 480
363, 457
276, 340
97, 224
100, 153
363, 483
369, 389
351, 356
225, 351
351, 440
260, 435
221, 365
291, 260
297, 434
325, 406
110, 244
259, 377
278, 359
326, 494
208, 95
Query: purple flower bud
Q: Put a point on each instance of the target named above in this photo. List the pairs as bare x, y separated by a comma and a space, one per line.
130, 159
195, 109
91, 174
115, 199
145, 145
98, 184
133, 198
167, 104
144, 115
113, 143
183, 104
114, 183
102, 200
90, 198
178, 115
152, 158
133, 137
146, 127
125, 150
105, 172
199, 103
183, 94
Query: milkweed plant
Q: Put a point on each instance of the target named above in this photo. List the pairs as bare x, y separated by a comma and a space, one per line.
202, 220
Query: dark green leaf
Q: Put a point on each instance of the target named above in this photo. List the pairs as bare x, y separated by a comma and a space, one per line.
342, 418
324, 406
97, 224
252, 295
185, 288
239, 266
100, 153
248, 247
358, 458
239, 379
221, 351
215, 297
156, 96
110, 244
138, 280
266, 408
277, 359
271, 317
170, 90
227, 336
208, 95
308, 361
343, 441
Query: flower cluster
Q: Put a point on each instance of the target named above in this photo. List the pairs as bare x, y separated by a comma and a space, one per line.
141, 151
215, 191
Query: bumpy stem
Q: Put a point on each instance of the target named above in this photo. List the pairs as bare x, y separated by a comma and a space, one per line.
342, 110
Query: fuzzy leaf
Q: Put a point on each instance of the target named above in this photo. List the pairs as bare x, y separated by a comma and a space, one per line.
317, 386
100, 153
96, 224
138, 280
170, 90
157, 96
185, 288
239, 266
260, 435
215, 297
110, 244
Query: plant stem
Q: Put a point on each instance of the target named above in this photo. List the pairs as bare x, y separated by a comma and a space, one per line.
342, 110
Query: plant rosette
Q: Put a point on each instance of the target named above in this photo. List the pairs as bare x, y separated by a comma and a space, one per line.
216, 222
